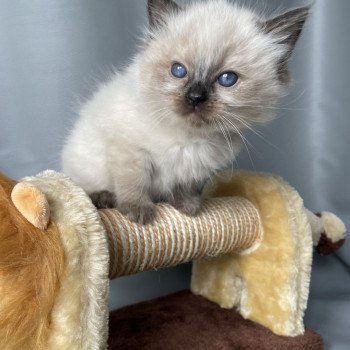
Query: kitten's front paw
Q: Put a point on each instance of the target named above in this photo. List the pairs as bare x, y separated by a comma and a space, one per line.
142, 213
190, 206
104, 200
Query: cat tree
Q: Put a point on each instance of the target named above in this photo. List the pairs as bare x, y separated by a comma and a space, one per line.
252, 251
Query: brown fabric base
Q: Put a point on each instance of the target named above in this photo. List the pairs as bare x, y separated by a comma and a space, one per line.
185, 321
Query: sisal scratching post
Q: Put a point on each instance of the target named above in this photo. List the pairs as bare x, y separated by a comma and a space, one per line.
224, 225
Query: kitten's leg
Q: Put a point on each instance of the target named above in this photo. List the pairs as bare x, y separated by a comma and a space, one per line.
132, 176
141, 211
134, 200
104, 199
187, 199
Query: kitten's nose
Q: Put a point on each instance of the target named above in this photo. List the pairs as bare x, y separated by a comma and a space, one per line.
197, 94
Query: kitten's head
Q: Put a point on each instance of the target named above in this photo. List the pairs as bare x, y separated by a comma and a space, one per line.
213, 63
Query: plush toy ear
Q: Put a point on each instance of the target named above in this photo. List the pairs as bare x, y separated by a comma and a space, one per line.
158, 10
32, 204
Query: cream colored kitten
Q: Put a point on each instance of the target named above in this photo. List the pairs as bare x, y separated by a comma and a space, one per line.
160, 129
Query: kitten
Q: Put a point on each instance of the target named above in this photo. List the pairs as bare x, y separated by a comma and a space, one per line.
174, 117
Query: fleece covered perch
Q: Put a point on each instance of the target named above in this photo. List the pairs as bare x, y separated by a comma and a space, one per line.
252, 246
271, 285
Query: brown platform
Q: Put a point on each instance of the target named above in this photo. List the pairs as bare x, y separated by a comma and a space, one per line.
184, 321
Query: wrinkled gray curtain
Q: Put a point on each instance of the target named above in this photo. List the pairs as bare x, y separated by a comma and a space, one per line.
52, 52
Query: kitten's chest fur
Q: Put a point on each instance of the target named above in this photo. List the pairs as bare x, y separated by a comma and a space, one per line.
185, 160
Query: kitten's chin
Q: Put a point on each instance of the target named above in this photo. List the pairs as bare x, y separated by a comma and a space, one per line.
197, 120
195, 117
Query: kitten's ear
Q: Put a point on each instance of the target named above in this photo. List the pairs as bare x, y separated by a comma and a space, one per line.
286, 28
158, 10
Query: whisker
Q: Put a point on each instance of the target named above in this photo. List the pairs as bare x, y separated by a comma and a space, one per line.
225, 136
256, 132
244, 140
265, 107
229, 134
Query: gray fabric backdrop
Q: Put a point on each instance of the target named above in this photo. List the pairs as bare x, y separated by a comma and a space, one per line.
52, 52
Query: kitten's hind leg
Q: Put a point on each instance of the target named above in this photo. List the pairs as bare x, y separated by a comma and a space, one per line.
187, 199
104, 200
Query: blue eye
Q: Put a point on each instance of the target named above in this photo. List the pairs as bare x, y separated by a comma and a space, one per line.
178, 70
228, 79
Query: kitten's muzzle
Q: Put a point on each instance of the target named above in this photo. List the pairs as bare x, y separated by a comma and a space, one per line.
197, 94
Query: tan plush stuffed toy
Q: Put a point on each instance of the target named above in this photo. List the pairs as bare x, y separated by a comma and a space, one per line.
31, 264
53, 266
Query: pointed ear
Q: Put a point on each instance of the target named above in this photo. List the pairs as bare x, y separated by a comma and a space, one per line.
286, 29
158, 10
288, 26
32, 204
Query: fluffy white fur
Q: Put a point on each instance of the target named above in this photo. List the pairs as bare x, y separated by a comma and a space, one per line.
131, 138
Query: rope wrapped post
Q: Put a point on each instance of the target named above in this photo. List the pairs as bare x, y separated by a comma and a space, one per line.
224, 225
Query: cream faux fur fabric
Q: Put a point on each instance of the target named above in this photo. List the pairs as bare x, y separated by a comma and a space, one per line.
80, 314
270, 285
